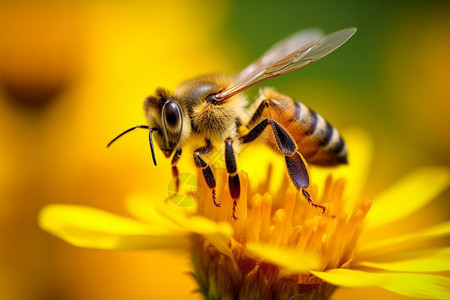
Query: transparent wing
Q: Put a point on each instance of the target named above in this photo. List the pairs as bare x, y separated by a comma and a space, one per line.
279, 50
288, 55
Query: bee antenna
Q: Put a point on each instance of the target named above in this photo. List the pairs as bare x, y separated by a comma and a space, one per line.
125, 132
149, 138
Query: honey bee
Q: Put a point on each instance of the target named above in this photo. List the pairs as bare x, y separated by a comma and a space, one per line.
213, 107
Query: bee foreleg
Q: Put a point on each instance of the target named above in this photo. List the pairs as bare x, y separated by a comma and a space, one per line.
284, 141
175, 173
207, 172
233, 177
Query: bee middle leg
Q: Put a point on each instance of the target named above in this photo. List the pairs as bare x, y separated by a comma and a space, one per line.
207, 172
234, 183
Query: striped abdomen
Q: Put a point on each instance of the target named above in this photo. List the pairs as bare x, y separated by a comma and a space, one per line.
317, 140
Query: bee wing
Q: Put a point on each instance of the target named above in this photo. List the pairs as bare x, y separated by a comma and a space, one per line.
277, 51
288, 55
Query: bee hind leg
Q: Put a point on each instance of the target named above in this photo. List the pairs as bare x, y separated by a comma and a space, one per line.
284, 141
295, 163
259, 112
299, 174
233, 177
297, 170
310, 200
207, 172
271, 106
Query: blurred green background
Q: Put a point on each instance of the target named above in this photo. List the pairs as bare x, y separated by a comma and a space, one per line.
74, 74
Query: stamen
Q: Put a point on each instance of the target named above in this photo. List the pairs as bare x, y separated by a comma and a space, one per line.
285, 221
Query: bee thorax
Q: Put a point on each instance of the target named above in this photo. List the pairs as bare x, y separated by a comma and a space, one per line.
214, 121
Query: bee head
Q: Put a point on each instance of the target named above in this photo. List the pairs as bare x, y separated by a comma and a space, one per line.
166, 114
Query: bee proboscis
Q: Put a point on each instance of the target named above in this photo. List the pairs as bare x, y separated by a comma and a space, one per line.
213, 107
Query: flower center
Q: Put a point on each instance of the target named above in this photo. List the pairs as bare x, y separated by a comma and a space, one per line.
285, 221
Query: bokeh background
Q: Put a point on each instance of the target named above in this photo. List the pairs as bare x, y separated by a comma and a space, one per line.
73, 74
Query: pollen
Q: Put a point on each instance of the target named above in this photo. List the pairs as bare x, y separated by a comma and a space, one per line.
285, 221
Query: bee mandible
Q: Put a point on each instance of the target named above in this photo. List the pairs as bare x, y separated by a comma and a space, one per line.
213, 107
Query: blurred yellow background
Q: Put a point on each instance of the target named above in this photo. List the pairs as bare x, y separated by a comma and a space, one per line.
74, 74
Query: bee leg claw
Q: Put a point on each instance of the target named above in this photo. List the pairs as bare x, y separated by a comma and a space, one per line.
213, 194
234, 213
310, 200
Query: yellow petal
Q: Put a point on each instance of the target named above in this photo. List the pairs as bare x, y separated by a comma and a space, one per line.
170, 215
141, 206
411, 285
218, 234
430, 260
291, 260
408, 195
372, 249
360, 147
92, 228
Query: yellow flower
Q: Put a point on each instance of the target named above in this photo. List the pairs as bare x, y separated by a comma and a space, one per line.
281, 247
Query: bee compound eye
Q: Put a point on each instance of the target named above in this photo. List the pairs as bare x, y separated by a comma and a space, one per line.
172, 114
